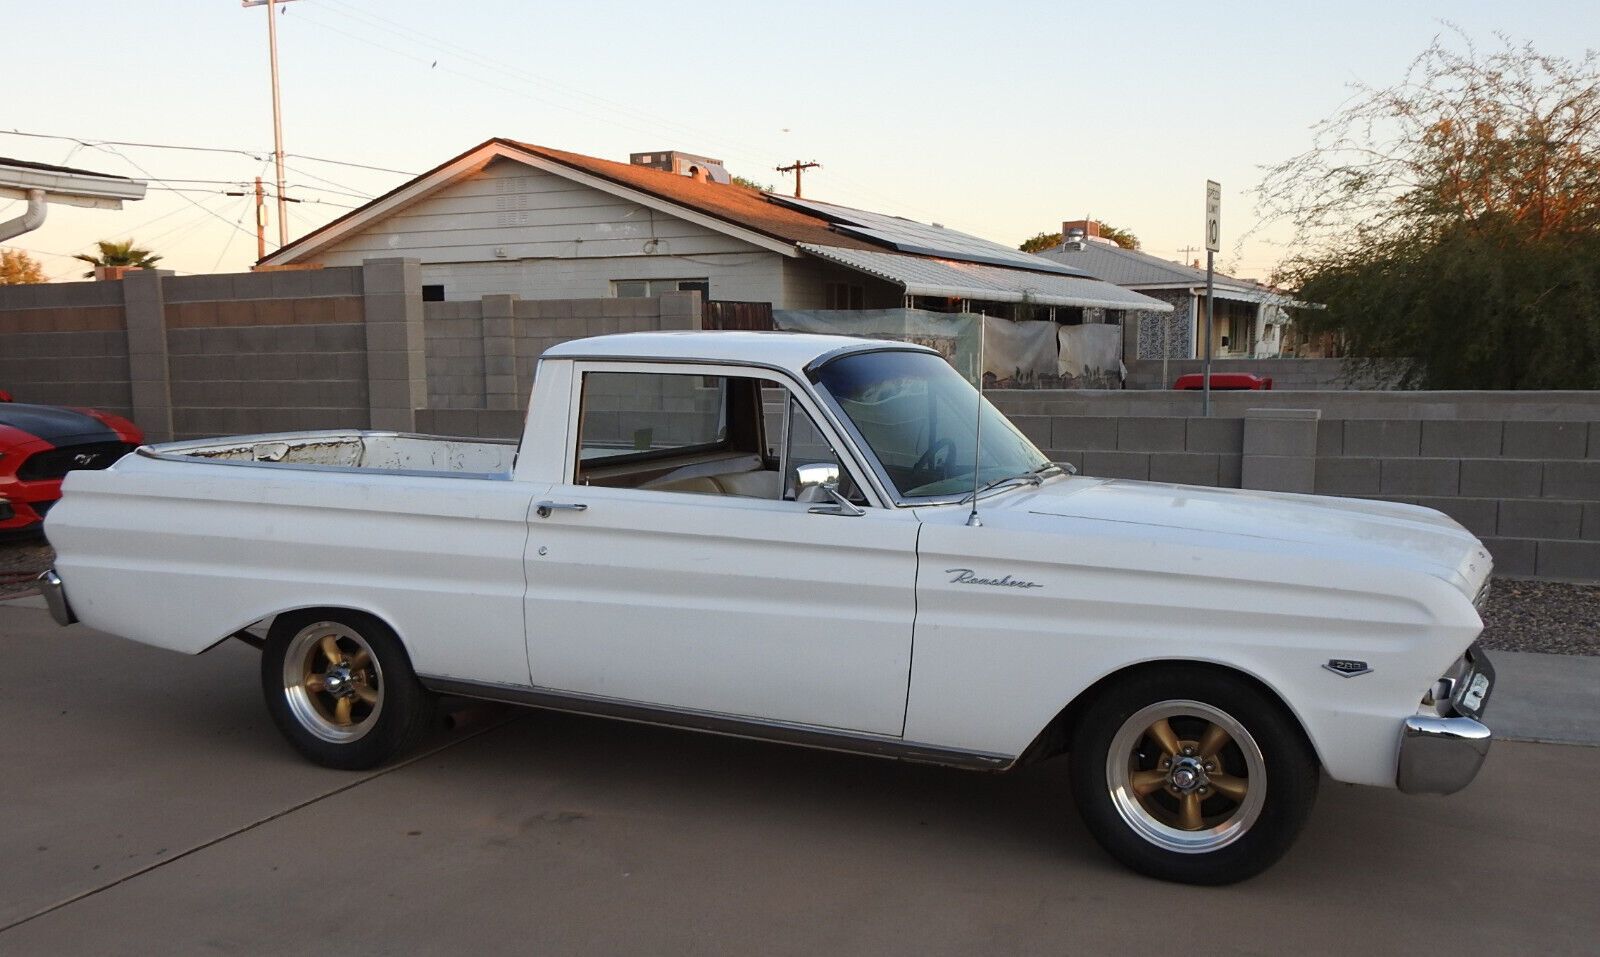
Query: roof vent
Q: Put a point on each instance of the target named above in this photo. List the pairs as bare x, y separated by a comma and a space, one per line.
701, 168
1074, 239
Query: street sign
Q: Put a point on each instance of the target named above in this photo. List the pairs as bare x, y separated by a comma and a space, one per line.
1213, 216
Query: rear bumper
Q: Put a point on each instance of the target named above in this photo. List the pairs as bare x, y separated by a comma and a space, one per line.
1440, 755
55, 596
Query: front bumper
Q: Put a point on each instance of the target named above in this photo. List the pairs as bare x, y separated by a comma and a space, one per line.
55, 596
1441, 753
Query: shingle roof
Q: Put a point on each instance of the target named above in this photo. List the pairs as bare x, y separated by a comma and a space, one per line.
736, 204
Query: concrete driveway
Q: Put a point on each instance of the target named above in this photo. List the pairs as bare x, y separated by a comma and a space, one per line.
150, 807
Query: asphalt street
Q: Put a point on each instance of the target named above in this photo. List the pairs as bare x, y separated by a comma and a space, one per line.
150, 807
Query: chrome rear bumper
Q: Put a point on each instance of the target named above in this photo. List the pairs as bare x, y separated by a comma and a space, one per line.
55, 596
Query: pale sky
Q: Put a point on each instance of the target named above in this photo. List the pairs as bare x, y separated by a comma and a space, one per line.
1000, 119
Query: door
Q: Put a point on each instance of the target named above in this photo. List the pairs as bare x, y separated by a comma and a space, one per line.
692, 580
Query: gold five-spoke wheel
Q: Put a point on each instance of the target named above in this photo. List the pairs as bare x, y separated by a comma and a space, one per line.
1186, 776
332, 682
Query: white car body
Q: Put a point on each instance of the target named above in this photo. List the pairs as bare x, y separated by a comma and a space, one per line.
906, 630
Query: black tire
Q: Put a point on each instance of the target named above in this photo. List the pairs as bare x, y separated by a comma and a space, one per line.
340, 687
1220, 801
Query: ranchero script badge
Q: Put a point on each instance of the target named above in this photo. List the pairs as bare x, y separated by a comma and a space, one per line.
966, 576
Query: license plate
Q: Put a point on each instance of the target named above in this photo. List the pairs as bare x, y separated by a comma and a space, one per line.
1477, 690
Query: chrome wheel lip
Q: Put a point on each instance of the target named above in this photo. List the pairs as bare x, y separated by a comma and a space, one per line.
303, 653
1139, 818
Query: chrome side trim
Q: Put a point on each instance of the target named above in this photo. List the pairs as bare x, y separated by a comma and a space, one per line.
1440, 755
753, 728
55, 597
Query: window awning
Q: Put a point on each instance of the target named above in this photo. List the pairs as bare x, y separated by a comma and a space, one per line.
947, 278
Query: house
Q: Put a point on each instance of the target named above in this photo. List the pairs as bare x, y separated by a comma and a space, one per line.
1250, 318
513, 218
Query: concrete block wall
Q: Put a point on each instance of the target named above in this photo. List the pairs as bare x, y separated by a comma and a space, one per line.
1530, 490
1529, 487
65, 344
266, 352
482, 355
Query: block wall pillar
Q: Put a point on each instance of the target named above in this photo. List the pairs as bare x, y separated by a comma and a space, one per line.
149, 375
1280, 450
501, 389
397, 368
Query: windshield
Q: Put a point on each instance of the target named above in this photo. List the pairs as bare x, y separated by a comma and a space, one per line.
918, 416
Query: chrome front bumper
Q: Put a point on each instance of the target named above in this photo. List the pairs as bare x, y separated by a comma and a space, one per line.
55, 596
1441, 753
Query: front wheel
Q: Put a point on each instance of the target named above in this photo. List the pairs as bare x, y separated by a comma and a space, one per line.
1192, 775
340, 688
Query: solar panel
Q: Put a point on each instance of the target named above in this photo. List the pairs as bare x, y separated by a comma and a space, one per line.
922, 239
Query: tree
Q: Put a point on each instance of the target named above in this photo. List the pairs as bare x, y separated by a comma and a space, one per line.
124, 253
752, 184
17, 267
1043, 241
1451, 222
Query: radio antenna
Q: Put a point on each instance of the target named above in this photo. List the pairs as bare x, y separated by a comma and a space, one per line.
977, 441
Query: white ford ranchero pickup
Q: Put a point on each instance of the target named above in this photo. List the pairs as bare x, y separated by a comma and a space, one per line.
817, 540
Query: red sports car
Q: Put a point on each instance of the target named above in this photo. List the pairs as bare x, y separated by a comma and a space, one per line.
41, 443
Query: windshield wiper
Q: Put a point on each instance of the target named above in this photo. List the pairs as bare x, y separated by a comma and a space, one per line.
1034, 477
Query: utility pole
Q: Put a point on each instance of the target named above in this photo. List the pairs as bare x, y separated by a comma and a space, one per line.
261, 215
797, 169
277, 112
261, 223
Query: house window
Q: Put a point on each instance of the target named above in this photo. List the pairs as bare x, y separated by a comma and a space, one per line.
650, 288
845, 295
433, 293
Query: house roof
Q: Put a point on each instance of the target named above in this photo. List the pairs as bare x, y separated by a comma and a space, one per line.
1140, 270
746, 210
64, 184
927, 276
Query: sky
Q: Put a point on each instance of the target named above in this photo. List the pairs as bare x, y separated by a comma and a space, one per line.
1000, 119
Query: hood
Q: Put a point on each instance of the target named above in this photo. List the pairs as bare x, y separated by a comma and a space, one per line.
56, 425
1361, 530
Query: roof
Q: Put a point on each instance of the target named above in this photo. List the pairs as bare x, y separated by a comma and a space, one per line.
923, 239
26, 164
925, 276
785, 350
64, 184
729, 204
1140, 270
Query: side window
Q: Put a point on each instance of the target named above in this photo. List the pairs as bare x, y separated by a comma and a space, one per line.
675, 432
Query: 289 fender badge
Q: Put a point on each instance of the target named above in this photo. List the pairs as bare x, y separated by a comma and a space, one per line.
1347, 668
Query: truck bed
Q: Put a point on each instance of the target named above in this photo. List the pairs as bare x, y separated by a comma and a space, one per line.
389, 451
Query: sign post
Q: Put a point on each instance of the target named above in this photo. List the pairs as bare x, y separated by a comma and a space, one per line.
1213, 244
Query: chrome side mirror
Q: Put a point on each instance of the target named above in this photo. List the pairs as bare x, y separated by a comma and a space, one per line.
812, 478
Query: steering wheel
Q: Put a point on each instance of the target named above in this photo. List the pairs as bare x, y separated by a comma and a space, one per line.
935, 458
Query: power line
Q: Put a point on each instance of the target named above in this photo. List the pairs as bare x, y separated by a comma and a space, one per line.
252, 154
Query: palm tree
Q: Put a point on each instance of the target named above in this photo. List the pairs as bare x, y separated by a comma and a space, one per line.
124, 253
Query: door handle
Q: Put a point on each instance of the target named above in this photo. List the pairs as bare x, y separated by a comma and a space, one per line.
545, 508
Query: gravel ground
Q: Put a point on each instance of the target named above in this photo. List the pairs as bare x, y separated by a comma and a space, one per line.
1522, 615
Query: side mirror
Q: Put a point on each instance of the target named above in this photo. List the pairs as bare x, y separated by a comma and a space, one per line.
811, 480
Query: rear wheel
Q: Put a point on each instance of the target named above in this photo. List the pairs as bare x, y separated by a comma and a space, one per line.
340, 688
1192, 775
